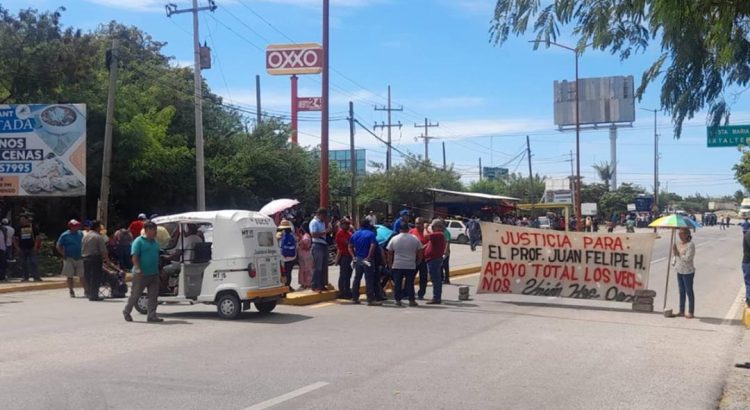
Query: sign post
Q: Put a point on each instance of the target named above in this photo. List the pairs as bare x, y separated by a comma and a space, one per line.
728, 136
294, 59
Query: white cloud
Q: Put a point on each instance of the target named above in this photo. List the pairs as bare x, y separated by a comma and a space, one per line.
150, 5
181, 63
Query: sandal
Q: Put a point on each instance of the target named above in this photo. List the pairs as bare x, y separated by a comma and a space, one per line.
745, 365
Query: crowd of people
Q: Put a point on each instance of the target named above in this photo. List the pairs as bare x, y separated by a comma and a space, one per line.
372, 252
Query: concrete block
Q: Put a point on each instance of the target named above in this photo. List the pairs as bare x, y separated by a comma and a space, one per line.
463, 290
463, 297
643, 300
643, 308
645, 293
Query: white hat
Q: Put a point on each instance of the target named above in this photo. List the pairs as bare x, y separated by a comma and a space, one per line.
5, 221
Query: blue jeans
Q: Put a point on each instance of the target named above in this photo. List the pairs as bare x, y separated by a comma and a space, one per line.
398, 282
371, 283
422, 270
686, 289
473, 241
746, 275
436, 276
320, 265
345, 276
29, 264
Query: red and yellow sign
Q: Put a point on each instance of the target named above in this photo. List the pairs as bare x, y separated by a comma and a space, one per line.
289, 59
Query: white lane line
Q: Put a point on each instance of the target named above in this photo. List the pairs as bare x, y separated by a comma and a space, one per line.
322, 305
288, 396
733, 311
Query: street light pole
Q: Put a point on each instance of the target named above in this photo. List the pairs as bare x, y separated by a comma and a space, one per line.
656, 161
578, 131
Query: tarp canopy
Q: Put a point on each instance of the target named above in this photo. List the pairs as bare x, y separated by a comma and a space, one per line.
444, 195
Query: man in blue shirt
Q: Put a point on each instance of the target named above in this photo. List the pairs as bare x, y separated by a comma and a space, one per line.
145, 252
319, 230
745, 226
362, 246
69, 246
403, 219
474, 232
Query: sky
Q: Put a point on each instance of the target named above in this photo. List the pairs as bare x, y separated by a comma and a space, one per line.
438, 60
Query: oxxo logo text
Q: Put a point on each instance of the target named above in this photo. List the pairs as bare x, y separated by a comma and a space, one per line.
302, 59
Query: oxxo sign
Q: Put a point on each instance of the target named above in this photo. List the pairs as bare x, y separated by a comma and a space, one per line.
288, 59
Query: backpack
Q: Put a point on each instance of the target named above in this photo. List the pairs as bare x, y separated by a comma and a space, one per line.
288, 246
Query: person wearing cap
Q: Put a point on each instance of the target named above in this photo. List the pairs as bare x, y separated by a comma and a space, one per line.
9, 232
344, 259
433, 256
362, 245
145, 252
288, 245
403, 218
136, 225
319, 230
69, 245
372, 218
28, 242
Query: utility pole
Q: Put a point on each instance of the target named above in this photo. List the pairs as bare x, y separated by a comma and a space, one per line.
656, 162
388, 126
257, 101
106, 161
200, 190
480, 168
353, 157
427, 125
531, 176
444, 165
324, 112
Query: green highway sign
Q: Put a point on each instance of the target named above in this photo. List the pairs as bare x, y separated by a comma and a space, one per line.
728, 136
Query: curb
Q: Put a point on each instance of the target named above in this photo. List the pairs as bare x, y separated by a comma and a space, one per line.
746, 317
62, 284
293, 299
305, 299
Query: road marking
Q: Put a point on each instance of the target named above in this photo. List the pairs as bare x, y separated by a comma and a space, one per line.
320, 305
733, 311
288, 396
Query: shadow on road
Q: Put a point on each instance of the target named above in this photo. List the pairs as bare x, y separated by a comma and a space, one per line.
717, 321
248, 317
581, 307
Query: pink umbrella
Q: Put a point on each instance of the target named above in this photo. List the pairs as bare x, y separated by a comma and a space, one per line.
278, 205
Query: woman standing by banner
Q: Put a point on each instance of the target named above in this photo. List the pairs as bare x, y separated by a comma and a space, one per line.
684, 254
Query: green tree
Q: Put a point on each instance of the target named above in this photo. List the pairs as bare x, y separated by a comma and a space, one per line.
593, 192
705, 44
738, 196
617, 201
604, 171
406, 184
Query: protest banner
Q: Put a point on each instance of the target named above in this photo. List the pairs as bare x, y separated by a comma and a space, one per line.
582, 265
43, 150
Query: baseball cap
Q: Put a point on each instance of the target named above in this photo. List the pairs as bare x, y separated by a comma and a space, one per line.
5, 221
73, 222
404, 212
142, 216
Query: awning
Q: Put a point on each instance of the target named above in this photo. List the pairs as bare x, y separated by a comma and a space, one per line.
444, 195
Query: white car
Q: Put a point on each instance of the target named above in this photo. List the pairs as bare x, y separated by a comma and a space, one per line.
544, 222
457, 230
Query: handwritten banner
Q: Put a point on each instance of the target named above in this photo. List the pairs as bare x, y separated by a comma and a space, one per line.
585, 265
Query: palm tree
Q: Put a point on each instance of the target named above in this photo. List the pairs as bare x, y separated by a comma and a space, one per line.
605, 171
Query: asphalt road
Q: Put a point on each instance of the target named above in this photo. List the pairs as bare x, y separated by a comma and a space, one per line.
487, 353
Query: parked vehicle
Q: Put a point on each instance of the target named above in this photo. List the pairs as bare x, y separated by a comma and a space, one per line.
457, 230
745, 208
236, 262
544, 222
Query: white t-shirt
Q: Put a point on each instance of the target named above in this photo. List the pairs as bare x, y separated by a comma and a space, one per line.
404, 247
188, 246
10, 233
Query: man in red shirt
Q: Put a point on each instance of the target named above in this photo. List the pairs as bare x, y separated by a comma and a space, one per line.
137, 225
344, 259
419, 233
433, 255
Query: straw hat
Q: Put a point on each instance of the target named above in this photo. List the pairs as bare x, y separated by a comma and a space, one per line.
285, 225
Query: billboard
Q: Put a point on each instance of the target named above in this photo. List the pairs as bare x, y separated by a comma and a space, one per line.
493, 173
43, 150
603, 100
289, 59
